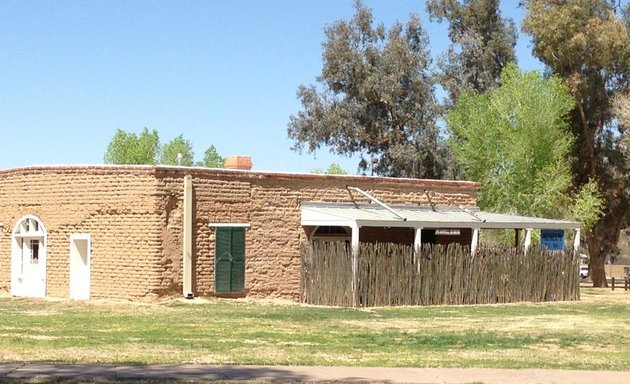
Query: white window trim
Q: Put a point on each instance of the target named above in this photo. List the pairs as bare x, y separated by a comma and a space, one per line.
80, 236
30, 235
233, 225
17, 269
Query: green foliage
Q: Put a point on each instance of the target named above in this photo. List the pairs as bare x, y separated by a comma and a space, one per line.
516, 141
587, 44
212, 159
375, 98
129, 148
482, 44
173, 148
588, 205
333, 169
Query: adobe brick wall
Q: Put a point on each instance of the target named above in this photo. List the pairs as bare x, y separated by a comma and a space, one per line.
115, 206
135, 218
271, 204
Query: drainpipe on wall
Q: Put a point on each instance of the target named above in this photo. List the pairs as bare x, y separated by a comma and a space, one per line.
187, 238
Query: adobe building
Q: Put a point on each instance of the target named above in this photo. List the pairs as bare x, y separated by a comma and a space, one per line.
147, 231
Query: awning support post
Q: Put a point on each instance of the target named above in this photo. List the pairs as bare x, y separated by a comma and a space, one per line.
417, 245
528, 239
354, 243
475, 241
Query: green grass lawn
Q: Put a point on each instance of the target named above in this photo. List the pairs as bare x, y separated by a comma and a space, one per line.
591, 334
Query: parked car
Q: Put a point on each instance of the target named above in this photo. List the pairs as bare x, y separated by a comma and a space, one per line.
583, 271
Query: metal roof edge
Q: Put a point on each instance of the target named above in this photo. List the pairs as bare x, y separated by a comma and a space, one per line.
485, 220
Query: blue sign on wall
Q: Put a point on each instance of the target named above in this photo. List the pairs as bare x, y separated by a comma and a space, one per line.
552, 239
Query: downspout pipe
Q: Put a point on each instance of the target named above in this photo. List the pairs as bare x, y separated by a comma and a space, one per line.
187, 239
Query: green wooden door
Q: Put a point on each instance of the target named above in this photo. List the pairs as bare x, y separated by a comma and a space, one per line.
230, 259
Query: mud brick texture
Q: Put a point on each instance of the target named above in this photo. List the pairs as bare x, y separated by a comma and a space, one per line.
134, 215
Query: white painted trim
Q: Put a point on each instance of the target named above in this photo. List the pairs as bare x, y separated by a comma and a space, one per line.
313, 214
528, 239
417, 246
232, 225
451, 224
474, 242
81, 237
30, 235
18, 287
355, 262
331, 223
417, 239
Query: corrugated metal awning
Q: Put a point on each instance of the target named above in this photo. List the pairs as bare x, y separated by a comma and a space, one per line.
371, 215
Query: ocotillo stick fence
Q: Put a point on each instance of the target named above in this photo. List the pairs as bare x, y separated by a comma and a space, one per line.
391, 274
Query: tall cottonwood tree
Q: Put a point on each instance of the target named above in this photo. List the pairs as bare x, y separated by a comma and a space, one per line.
516, 140
375, 97
587, 44
482, 44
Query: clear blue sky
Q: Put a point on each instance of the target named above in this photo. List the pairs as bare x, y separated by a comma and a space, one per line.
218, 72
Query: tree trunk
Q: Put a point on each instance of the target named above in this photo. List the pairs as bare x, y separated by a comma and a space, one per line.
602, 241
588, 140
597, 257
597, 271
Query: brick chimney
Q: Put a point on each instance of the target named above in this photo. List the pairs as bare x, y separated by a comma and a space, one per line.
238, 162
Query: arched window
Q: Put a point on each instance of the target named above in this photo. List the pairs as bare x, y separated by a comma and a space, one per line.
328, 233
28, 258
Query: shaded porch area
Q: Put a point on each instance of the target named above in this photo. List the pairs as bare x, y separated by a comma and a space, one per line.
420, 232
